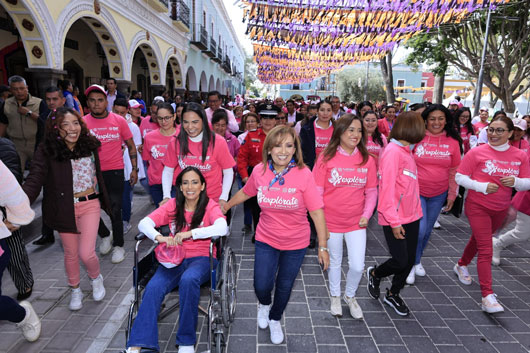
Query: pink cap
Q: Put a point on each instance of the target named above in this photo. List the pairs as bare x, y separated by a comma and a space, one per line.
133, 103
95, 88
454, 101
520, 123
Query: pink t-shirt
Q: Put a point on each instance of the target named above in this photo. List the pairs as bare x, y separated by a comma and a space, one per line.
283, 221
523, 145
217, 159
322, 137
464, 135
344, 181
375, 148
146, 126
154, 152
437, 157
486, 165
479, 126
111, 131
165, 215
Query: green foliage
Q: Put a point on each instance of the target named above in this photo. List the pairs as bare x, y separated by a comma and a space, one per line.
348, 84
428, 49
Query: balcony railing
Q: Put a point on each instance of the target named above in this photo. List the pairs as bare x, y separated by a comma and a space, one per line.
219, 57
213, 49
158, 5
200, 37
227, 67
180, 12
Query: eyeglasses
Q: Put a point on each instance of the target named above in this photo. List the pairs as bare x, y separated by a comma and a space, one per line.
164, 118
498, 131
267, 117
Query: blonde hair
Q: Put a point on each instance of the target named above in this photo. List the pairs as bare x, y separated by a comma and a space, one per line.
277, 135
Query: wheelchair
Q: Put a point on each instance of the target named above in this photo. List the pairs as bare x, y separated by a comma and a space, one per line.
220, 311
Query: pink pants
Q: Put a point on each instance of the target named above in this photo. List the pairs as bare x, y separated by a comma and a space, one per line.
82, 245
484, 222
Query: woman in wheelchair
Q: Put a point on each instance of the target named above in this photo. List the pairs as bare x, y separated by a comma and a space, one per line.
192, 218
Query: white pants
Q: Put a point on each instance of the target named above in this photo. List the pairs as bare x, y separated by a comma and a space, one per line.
356, 244
520, 233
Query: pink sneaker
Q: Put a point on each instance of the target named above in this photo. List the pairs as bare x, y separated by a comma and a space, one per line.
491, 305
463, 274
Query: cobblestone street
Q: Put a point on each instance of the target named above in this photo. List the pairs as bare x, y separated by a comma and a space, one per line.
445, 315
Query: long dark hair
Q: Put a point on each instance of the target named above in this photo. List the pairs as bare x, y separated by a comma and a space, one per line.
208, 135
55, 146
341, 125
200, 210
468, 123
449, 128
362, 105
376, 136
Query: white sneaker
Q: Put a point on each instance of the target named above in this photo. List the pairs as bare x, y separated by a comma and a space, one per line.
30, 326
336, 307
263, 316
98, 290
106, 245
463, 274
411, 278
491, 305
126, 227
276, 331
186, 349
437, 225
420, 271
118, 254
355, 310
76, 300
132, 350
497, 247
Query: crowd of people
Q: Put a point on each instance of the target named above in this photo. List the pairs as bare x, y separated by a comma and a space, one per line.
309, 175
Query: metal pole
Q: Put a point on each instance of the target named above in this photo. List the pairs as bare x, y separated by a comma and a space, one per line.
478, 92
366, 81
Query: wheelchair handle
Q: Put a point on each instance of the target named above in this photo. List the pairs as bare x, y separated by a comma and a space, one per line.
140, 236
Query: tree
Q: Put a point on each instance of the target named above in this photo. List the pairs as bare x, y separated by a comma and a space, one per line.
251, 78
350, 85
507, 62
388, 77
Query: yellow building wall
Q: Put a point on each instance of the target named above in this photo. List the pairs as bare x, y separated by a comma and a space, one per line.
56, 7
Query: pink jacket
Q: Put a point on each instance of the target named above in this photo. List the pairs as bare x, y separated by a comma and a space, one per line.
399, 191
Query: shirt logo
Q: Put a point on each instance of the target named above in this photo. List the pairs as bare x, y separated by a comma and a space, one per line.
336, 178
276, 202
156, 153
491, 168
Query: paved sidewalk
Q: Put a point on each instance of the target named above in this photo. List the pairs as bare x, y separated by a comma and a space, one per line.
446, 315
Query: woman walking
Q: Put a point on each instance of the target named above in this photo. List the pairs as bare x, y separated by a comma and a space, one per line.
375, 141
346, 175
316, 133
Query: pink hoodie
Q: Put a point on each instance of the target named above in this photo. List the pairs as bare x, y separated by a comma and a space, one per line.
399, 192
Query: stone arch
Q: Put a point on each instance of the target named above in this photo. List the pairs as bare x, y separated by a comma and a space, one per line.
203, 83
191, 80
211, 84
32, 33
218, 85
104, 28
152, 55
176, 71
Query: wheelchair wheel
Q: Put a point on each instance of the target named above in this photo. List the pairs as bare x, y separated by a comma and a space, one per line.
219, 343
228, 290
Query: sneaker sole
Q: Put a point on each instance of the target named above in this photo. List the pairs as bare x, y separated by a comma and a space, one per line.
336, 314
501, 310
368, 283
389, 303
455, 270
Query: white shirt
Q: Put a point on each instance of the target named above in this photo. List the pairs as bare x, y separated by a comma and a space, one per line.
127, 165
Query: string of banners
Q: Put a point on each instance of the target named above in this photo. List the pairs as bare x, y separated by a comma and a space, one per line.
297, 41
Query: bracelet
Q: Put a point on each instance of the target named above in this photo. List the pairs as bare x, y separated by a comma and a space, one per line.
321, 248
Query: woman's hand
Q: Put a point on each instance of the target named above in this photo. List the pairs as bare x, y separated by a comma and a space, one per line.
224, 206
170, 241
179, 237
399, 232
508, 181
492, 188
163, 201
449, 205
10, 226
363, 222
323, 259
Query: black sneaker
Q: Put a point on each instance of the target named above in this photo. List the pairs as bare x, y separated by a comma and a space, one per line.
395, 302
373, 283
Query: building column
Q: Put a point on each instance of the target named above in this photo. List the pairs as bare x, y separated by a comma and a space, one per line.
180, 92
124, 87
44, 78
157, 90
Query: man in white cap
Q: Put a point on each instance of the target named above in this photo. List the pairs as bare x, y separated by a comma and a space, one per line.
111, 130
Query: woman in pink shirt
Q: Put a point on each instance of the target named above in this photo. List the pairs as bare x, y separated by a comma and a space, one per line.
197, 146
285, 190
437, 156
375, 141
489, 172
155, 149
462, 121
385, 125
346, 175
399, 209
519, 131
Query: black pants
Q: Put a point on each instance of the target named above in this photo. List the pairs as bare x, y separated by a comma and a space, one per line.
255, 210
114, 185
18, 266
403, 252
10, 310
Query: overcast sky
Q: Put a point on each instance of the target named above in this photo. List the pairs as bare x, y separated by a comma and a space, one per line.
236, 15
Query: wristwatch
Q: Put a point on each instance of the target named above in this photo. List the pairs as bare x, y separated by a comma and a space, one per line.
321, 248
29, 113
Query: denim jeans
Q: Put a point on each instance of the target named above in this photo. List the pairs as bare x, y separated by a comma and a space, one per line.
10, 310
126, 201
157, 195
431, 207
188, 276
275, 268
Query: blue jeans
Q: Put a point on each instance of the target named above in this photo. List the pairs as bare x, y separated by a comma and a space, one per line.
188, 276
275, 268
126, 201
157, 195
431, 207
